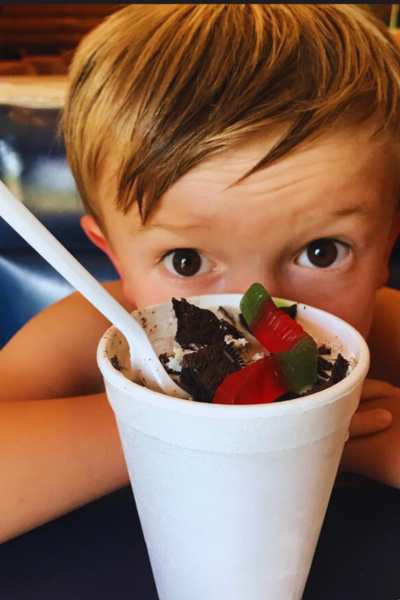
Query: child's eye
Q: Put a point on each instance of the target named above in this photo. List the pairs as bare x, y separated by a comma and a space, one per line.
323, 253
185, 262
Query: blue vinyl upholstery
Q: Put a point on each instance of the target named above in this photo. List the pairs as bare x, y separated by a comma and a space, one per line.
33, 165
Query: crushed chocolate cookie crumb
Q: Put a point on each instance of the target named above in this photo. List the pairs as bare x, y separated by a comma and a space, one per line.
321, 384
227, 315
164, 360
339, 370
324, 349
324, 367
115, 363
324, 364
290, 310
287, 396
324, 375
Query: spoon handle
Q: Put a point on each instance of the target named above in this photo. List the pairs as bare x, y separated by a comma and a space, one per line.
35, 233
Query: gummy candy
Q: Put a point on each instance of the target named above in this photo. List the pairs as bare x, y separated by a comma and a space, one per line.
295, 350
291, 365
259, 382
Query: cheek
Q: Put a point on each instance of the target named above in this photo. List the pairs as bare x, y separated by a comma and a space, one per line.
351, 299
142, 288
354, 304
353, 296
358, 311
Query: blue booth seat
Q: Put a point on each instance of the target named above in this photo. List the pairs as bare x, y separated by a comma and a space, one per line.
28, 283
33, 165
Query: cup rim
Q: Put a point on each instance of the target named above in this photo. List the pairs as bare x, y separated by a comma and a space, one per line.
209, 409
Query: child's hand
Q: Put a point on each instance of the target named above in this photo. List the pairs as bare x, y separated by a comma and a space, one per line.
373, 449
371, 418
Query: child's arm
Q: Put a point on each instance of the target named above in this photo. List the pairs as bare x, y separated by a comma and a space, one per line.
55, 454
377, 455
54, 354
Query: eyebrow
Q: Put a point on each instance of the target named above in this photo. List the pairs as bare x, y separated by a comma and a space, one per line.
172, 227
349, 211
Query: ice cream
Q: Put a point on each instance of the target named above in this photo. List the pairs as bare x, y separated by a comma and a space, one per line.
260, 353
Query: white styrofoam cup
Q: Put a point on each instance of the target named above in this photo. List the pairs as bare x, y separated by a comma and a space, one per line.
232, 498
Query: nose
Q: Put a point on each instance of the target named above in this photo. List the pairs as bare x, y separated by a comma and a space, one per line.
240, 281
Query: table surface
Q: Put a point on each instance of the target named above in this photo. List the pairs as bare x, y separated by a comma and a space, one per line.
98, 552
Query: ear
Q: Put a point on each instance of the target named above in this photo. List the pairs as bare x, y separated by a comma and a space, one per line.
95, 235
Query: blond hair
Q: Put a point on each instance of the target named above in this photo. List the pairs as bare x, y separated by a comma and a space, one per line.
158, 88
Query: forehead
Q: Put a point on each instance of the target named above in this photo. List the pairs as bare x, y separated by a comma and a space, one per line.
350, 157
335, 166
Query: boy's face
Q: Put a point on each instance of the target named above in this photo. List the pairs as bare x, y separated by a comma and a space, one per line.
316, 227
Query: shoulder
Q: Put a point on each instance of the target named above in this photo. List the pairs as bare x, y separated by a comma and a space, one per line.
56, 349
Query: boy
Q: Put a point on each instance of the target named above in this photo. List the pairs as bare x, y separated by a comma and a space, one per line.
214, 146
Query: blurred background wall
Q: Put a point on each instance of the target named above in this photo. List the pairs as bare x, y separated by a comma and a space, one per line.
32, 34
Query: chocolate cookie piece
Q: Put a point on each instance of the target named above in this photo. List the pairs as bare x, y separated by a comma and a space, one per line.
204, 370
197, 327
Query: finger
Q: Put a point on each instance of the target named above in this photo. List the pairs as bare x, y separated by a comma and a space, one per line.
375, 388
370, 421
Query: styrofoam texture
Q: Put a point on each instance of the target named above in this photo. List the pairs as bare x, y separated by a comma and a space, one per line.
232, 498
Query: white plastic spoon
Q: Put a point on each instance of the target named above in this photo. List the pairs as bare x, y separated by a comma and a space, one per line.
143, 356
